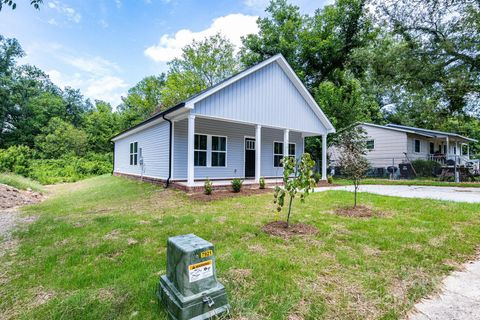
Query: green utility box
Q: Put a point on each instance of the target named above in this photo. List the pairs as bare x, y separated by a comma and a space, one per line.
190, 289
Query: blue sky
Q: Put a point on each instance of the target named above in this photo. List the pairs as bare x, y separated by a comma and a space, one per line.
104, 47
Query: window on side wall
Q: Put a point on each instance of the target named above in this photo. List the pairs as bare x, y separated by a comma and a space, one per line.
278, 153
370, 144
219, 151
200, 150
133, 153
416, 146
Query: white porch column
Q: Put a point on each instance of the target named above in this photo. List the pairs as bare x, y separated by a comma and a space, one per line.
258, 152
190, 150
324, 157
286, 134
448, 148
468, 151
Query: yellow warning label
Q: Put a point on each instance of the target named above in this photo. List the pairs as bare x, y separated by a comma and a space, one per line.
201, 270
207, 253
200, 264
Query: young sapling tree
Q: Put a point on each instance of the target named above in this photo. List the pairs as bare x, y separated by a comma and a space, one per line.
352, 146
297, 178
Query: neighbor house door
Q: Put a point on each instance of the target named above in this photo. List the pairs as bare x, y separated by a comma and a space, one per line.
249, 158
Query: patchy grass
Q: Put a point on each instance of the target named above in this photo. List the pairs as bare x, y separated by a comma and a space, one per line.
20, 182
416, 182
98, 247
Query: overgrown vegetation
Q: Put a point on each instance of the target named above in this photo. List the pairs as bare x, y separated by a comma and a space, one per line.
426, 168
97, 247
20, 182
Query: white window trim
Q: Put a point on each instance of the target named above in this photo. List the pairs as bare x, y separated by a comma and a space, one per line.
209, 150
419, 146
132, 153
277, 154
201, 150
373, 140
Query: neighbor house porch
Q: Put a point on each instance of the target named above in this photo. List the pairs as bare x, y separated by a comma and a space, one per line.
222, 149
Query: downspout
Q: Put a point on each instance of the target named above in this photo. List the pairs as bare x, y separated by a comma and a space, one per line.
113, 166
169, 151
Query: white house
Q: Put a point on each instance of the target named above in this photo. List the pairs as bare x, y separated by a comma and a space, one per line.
240, 127
393, 144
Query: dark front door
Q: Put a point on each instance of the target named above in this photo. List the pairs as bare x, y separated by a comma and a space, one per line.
249, 157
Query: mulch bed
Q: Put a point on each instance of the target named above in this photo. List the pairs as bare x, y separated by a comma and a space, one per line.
222, 194
357, 212
279, 229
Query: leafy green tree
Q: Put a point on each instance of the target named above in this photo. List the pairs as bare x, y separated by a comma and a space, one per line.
297, 178
100, 125
143, 100
13, 4
60, 138
280, 32
203, 64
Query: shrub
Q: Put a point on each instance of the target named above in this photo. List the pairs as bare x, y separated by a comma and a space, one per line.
208, 187
262, 183
317, 176
426, 168
16, 159
330, 179
237, 185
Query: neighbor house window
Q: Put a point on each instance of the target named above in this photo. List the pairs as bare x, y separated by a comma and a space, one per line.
278, 153
416, 145
219, 151
370, 144
133, 153
200, 149
432, 148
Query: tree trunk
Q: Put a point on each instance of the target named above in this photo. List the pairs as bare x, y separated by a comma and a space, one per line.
289, 211
355, 196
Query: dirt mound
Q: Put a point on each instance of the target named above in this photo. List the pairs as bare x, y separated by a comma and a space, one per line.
12, 197
279, 229
357, 212
222, 194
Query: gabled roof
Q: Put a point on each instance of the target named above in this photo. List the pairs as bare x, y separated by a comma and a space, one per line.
433, 133
391, 128
190, 102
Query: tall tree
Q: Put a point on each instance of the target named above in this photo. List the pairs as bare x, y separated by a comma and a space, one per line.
142, 100
202, 64
100, 125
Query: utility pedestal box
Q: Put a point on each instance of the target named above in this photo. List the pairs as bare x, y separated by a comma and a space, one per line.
190, 289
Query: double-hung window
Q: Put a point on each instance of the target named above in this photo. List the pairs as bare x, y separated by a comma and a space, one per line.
133, 153
200, 149
210, 151
219, 151
416, 146
278, 153
370, 145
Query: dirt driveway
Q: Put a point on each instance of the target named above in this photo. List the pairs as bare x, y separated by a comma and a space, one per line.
457, 194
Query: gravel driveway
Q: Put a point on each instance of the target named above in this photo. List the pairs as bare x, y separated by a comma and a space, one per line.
471, 195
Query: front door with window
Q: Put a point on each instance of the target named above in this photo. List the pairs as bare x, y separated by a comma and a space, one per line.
249, 158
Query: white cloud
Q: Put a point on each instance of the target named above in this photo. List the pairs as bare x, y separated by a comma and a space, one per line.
93, 65
53, 22
70, 13
232, 26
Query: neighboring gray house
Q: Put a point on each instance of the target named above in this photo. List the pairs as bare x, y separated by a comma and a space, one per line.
393, 144
240, 127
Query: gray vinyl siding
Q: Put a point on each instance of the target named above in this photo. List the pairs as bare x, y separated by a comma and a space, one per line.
235, 133
154, 142
390, 146
265, 97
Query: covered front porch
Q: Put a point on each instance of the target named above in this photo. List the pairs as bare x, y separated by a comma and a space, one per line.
221, 149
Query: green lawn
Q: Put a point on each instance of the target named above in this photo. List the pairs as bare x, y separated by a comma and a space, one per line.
98, 247
416, 182
20, 182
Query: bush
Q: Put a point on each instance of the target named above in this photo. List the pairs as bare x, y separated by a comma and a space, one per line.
426, 168
208, 187
262, 183
317, 176
20, 182
237, 185
330, 179
16, 159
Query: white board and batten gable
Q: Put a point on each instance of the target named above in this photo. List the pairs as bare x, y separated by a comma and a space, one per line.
269, 94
